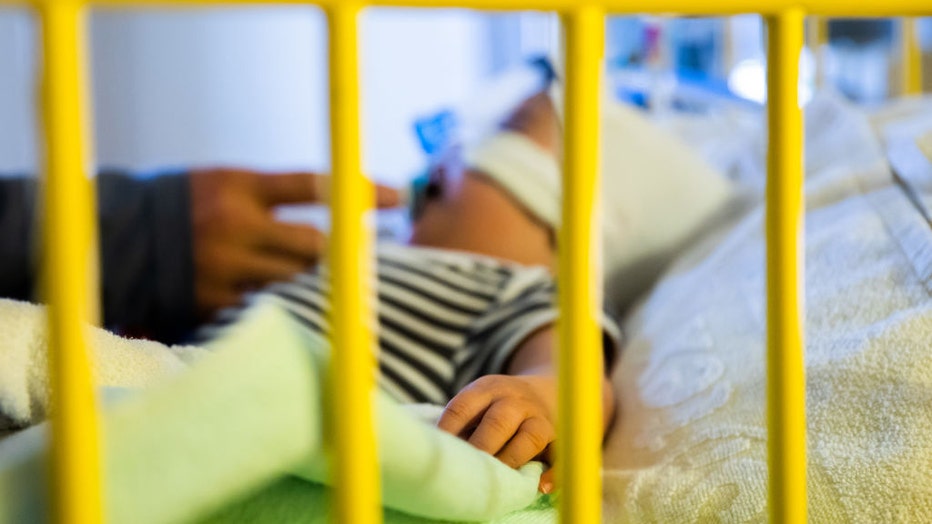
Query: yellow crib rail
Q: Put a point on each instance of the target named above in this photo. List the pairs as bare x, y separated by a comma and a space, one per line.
910, 58
579, 363
786, 385
69, 230
355, 468
817, 39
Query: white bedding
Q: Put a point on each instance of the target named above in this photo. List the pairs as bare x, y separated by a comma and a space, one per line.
691, 442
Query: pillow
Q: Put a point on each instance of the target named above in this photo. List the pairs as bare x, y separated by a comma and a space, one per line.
657, 195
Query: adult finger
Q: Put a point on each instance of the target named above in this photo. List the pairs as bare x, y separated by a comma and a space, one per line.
534, 435
301, 187
499, 424
292, 188
302, 242
260, 268
386, 196
211, 296
464, 410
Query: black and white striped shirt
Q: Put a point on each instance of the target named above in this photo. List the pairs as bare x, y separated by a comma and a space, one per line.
445, 318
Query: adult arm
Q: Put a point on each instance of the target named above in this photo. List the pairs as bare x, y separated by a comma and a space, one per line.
17, 208
176, 247
146, 254
145, 249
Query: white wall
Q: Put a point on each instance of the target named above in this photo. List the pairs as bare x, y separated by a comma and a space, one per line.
246, 86
206, 87
415, 62
17, 124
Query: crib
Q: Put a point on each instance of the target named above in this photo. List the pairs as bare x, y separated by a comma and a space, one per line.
69, 240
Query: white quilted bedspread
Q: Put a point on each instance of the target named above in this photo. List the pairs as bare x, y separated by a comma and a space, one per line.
690, 445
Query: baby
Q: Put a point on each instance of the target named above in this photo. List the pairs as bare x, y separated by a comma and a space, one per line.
467, 308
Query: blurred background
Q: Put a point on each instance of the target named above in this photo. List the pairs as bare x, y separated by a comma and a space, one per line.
247, 86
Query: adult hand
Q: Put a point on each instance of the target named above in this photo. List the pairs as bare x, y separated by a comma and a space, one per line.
511, 417
237, 242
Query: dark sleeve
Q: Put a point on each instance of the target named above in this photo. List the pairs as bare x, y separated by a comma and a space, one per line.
17, 253
147, 264
147, 268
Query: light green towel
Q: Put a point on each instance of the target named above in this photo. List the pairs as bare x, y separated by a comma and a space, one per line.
288, 500
243, 427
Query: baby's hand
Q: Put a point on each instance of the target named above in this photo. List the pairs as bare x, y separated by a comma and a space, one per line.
511, 417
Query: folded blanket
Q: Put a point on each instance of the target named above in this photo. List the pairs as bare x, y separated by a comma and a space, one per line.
240, 421
117, 362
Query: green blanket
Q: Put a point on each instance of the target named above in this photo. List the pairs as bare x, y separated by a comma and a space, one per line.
293, 500
238, 439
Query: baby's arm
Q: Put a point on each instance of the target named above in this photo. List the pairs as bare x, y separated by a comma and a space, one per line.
513, 416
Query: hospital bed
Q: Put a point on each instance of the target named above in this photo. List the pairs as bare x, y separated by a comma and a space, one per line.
671, 457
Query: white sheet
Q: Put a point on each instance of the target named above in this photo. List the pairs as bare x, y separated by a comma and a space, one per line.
691, 442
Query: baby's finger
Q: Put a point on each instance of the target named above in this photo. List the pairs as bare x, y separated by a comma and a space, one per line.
497, 427
534, 435
547, 481
464, 411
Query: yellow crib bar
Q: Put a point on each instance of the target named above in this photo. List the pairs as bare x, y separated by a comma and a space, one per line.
351, 434
817, 38
873, 8
681, 7
579, 359
786, 393
68, 229
910, 58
